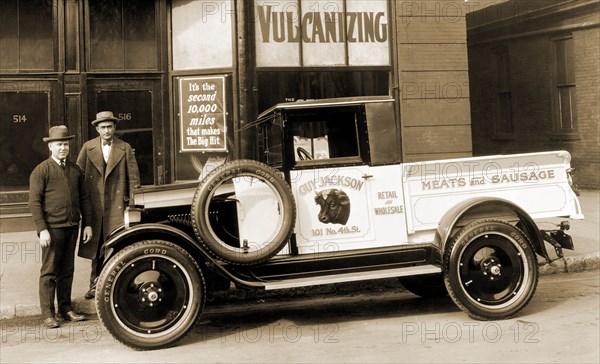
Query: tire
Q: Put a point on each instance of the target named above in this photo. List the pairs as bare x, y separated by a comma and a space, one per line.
491, 270
216, 225
150, 294
426, 285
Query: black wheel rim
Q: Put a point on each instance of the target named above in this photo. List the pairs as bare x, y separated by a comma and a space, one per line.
151, 295
492, 270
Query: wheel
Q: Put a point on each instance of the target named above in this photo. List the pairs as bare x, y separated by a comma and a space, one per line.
243, 212
150, 294
303, 154
426, 285
491, 270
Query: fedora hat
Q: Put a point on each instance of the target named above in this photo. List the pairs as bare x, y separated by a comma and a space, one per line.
104, 116
58, 133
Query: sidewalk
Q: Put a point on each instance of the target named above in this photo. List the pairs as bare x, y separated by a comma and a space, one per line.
20, 262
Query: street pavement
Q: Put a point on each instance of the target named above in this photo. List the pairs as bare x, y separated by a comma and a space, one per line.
20, 262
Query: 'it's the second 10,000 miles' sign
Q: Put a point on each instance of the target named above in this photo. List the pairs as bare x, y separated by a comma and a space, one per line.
202, 114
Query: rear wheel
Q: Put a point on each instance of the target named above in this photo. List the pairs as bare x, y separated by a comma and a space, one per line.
150, 294
491, 270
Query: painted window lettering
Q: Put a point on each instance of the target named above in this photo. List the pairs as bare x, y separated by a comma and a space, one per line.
321, 27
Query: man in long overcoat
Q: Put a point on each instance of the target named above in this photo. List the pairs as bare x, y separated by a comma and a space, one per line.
111, 173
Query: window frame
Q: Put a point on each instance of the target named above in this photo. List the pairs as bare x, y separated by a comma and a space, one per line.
90, 62
503, 122
53, 38
361, 157
562, 65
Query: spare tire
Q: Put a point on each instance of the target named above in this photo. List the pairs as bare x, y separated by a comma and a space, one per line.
243, 212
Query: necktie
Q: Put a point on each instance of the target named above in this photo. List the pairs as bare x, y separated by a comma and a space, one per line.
62, 164
106, 143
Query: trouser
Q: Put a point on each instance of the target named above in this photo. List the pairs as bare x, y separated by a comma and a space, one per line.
96, 263
56, 274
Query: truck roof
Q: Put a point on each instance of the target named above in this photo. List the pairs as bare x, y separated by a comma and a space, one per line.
325, 102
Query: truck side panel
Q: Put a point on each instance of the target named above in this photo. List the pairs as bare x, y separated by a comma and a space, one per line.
536, 182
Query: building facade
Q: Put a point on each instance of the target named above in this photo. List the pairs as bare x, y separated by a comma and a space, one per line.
185, 76
534, 76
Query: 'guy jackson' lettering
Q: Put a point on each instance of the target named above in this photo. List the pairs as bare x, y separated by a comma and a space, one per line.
326, 27
323, 182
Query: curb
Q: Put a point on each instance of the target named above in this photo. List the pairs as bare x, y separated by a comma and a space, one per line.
572, 264
563, 265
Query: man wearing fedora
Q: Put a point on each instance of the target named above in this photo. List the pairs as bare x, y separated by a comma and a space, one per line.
57, 199
111, 172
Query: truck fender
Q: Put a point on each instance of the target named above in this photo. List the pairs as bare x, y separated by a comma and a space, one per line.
123, 237
166, 232
452, 218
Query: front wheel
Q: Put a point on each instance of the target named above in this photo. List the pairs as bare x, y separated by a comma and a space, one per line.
150, 294
490, 270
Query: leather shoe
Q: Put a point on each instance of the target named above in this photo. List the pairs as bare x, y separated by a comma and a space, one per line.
91, 293
72, 316
51, 323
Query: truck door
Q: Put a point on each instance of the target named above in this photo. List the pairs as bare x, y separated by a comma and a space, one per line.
348, 208
342, 202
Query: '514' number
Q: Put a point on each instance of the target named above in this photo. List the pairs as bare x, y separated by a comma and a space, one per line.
19, 119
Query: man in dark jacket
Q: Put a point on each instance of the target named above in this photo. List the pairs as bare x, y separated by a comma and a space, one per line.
57, 198
111, 172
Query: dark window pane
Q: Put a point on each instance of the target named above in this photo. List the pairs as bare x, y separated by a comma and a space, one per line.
566, 99
503, 71
106, 34
36, 34
9, 41
289, 86
27, 35
565, 111
570, 61
504, 124
565, 62
140, 35
561, 63
324, 133
122, 35
23, 124
72, 36
273, 150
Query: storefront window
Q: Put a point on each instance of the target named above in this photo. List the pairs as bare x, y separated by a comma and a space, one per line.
276, 87
202, 34
122, 35
27, 37
22, 128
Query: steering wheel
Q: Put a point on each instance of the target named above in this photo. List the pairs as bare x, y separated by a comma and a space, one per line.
303, 154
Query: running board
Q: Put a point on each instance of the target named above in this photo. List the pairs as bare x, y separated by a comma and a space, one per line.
352, 277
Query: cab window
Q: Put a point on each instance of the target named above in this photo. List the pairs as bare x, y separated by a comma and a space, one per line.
324, 135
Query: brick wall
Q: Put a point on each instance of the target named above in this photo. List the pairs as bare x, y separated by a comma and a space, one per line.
531, 52
586, 152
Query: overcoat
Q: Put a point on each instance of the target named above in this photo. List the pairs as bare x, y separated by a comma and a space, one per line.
109, 187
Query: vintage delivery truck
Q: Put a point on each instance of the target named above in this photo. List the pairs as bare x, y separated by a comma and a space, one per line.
329, 200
